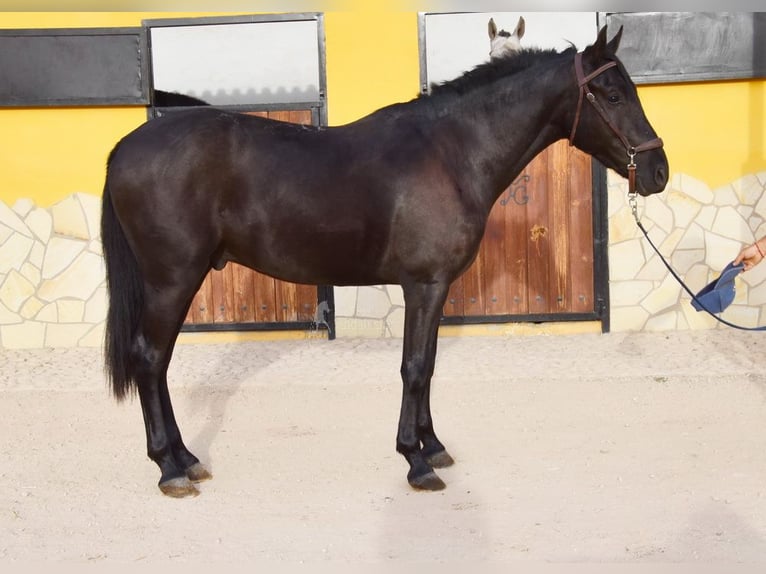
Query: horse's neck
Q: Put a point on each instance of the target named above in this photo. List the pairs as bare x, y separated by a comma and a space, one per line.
506, 135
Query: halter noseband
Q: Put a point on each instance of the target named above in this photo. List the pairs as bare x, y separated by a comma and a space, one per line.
582, 84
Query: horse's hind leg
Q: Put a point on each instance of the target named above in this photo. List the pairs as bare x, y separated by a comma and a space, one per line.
193, 469
416, 439
163, 313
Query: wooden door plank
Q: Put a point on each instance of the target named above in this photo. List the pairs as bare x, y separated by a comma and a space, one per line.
244, 294
219, 296
306, 302
558, 193
581, 233
189, 319
280, 115
516, 198
285, 301
454, 307
492, 252
229, 313
538, 239
302, 117
473, 288
202, 305
264, 298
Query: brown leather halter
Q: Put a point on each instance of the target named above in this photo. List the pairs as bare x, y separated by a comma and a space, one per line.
582, 84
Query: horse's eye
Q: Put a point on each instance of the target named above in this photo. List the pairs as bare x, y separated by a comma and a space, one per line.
614, 99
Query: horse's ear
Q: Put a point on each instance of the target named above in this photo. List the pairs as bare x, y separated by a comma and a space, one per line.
601, 48
492, 29
600, 43
614, 43
519, 31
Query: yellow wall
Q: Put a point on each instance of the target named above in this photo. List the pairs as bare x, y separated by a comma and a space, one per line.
48, 154
713, 131
372, 61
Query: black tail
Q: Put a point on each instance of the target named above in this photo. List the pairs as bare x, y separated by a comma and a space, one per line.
126, 297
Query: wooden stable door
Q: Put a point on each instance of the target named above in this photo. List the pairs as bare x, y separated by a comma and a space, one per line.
536, 257
238, 295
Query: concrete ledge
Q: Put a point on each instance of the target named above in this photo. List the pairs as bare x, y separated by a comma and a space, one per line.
520, 329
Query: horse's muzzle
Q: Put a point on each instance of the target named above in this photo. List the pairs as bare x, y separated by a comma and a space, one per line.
652, 176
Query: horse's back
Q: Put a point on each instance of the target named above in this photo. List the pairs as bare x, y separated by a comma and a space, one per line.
158, 140
202, 156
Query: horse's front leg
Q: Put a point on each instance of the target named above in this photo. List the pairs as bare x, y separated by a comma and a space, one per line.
433, 450
416, 439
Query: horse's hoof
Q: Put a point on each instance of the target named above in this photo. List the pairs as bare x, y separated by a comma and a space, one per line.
440, 459
428, 481
180, 487
198, 473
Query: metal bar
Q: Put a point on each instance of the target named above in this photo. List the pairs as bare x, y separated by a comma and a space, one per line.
531, 318
277, 326
600, 245
240, 19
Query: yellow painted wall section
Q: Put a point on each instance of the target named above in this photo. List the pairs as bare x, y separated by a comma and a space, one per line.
372, 61
713, 131
48, 154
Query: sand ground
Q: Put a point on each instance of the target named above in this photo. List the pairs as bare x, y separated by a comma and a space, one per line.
618, 448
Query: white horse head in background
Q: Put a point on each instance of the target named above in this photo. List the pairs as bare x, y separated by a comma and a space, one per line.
502, 43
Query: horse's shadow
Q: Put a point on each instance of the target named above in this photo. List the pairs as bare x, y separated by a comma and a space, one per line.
212, 375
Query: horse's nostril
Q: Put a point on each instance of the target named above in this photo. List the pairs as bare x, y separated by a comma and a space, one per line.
661, 176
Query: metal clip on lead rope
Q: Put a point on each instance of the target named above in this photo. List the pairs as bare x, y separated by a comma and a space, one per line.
633, 203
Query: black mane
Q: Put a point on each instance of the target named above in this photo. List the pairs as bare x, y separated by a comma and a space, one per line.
496, 68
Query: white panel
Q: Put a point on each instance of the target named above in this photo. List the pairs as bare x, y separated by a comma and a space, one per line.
456, 43
239, 63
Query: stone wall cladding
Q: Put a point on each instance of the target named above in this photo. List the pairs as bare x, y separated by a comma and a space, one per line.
53, 293
52, 285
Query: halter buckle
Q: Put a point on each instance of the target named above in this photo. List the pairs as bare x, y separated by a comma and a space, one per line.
631, 157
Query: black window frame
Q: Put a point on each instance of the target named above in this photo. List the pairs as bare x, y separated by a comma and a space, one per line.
70, 89
673, 47
320, 105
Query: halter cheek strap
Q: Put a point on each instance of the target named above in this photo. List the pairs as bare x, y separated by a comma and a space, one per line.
585, 93
582, 84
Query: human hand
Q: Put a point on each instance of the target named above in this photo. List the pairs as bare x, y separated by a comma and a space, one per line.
751, 255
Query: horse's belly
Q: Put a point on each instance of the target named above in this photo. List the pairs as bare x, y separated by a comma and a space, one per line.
316, 263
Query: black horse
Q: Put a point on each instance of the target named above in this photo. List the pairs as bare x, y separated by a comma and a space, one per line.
401, 196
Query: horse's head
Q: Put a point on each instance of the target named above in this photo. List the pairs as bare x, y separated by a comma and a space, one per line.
609, 122
502, 43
